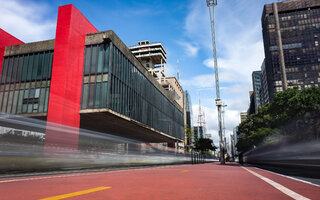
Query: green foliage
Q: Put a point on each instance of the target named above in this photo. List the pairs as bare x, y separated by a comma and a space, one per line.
285, 107
204, 144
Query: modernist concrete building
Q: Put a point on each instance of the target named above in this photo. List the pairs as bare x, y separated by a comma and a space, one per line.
291, 35
153, 57
86, 79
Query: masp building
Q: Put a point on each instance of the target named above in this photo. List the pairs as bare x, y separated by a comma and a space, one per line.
86, 79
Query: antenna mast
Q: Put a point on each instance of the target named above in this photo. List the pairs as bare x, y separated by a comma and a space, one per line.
211, 5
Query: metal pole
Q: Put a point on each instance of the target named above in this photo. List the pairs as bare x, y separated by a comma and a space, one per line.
213, 3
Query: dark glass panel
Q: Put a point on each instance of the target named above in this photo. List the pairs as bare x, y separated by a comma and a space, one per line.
30, 66
104, 91
97, 103
100, 58
4, 103
47, 100
40, 68
15, 101
91, 95
4, 70
87, 60
10, 68
94, 59
20, 100
85, 95
35, 67
106, 58
10, 101
42, 99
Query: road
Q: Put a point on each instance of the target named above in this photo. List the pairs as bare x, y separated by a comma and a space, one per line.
203, 181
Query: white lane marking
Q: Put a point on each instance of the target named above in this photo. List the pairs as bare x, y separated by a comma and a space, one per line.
283, 189
79, 174
296, 179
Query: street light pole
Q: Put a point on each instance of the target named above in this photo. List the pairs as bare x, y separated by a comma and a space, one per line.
211, 4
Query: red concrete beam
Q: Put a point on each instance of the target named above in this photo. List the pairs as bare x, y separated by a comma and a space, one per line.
67, 71
6, 40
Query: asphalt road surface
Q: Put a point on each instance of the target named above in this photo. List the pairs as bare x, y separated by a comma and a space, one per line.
203, 181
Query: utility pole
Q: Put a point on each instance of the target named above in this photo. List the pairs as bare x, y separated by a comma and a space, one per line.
211, 4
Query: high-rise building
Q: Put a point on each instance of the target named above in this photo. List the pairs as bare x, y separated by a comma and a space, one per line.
264, 95
199, 132
251, 110
152, 56
200, 129
86, 79
297, 50
243, 116
256, 83
189, 137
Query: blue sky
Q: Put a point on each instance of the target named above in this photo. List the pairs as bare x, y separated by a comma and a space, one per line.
183, 27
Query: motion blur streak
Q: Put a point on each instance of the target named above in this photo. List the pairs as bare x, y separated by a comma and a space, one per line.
22, 148
295, 145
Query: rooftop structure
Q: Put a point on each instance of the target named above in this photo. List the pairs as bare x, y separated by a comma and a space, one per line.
153, 57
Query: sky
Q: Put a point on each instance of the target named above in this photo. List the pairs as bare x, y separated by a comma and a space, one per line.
183, 27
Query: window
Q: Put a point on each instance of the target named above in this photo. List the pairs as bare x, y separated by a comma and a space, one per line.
22, 79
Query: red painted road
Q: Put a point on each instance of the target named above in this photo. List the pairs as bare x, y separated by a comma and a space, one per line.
203, 181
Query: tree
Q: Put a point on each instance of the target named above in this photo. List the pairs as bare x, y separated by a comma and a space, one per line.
204, 144
287, 106
189, 134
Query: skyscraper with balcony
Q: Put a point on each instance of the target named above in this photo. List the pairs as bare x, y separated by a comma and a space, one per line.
299, 23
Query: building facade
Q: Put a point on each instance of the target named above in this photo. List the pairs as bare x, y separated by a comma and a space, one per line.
87, 79
153, 57
264, 95
299, 23
199, 132
189, 134
256, 84
243, 116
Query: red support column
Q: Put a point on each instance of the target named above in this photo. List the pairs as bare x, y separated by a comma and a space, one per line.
6, 40
66, 78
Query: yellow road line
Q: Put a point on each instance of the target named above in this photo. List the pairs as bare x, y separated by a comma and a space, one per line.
183, 171
64, 196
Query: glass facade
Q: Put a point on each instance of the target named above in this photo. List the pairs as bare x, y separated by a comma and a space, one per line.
112, 81
189, 116
300, 34
25, 83
256, 83
95, 77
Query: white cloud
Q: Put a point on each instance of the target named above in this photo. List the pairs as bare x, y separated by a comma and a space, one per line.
190, 49
171, 70
239, 51
231, 117
197, 25
201, 81
26, 21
